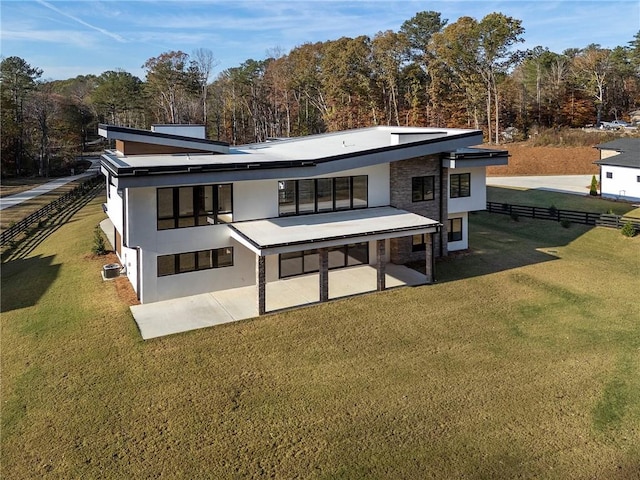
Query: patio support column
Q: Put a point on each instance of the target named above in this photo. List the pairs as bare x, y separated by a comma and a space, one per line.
323, 253
429, 258
380, 266
261, 283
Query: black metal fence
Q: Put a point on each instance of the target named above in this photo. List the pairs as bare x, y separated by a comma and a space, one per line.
616, 221
544, 213
55, 206
559, 215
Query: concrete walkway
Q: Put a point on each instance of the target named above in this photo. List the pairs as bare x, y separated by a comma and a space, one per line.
18, 198
575, 184
198, 311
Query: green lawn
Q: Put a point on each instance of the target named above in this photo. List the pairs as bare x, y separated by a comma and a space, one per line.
523, 361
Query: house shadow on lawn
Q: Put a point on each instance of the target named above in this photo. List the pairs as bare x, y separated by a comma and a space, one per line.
498, 243
25, 280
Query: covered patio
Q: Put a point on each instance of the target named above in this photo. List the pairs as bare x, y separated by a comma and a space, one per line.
205, 310
323, 231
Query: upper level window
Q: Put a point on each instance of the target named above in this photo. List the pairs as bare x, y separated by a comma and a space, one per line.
316, 195
609, 174
422, 188
180, 207
460, 185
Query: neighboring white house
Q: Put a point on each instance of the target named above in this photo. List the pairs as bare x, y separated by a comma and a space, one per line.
620, 169
192, 215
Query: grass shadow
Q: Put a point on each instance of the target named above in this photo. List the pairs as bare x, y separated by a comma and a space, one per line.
499, 243
24, 281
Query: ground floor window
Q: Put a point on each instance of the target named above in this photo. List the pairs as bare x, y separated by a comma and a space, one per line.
419, 242
308, 261
193, 261
454, 231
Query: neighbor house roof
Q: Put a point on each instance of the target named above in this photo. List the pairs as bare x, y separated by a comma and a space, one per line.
628, 156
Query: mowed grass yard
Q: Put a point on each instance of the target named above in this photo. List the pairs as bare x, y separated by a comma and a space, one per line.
523, 361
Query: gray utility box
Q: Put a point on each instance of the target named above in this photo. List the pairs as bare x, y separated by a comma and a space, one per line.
111, 270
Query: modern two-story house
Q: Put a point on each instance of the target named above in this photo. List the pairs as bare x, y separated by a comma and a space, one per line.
191, 215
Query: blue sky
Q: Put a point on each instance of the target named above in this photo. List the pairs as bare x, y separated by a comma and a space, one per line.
69, 38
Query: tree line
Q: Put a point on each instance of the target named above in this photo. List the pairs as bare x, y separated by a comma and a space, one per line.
430, 72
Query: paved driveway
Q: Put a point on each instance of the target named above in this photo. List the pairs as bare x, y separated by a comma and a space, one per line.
18, 198
576, 184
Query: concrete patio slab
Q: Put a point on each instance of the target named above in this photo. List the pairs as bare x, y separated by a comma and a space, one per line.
171, 316
238, 302
208, 309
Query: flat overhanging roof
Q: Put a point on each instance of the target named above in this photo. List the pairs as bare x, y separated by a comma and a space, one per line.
291, 234
337, 150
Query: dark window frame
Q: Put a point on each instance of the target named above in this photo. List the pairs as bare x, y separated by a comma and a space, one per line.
334, 208
215, 254
418, 190
422, 245
198, 216
455, 235
460, 185
609, 174
304, 253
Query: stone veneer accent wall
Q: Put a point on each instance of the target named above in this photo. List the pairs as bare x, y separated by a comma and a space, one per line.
401, 173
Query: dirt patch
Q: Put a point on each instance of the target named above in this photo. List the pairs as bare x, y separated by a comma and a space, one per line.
528, 160
124, 289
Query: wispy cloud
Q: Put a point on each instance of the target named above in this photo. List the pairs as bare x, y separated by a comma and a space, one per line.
115, 36
68, 37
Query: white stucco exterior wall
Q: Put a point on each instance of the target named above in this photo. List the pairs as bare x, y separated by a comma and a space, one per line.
114, 207
478, 198
464, 243
252, 199
623, 186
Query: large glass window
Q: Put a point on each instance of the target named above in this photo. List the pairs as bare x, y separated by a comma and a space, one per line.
287, 197
460, 185
357, 253
454, 232
308, 261
180, 207
192, 261
296, 197
360, 191
422, 188
419, 242
343, 193
324, 194
306, 196
224, 210
166, 216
